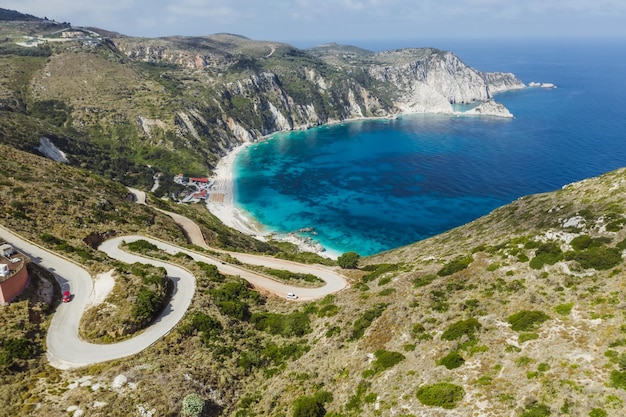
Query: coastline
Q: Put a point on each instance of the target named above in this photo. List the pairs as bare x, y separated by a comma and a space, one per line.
221, 200
221, 203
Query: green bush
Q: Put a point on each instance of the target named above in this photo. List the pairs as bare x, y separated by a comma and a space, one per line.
307, 406
141, 246
452, 360
598, 412
386, 291
599, 258
443, 395
386, 359
311, 406
376, 271
365, 321
581, 242
460, 328
423, 281
619, 379
13, 348
547, 253
349, 260
537, 410
564, 309
328, 310
525, 337
455, 265
543, 367
287, 325
148, 304
527, 320
193, 405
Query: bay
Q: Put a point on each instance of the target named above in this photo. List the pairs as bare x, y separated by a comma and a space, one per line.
374, 185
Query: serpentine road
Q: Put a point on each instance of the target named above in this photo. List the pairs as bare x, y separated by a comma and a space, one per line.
65, 348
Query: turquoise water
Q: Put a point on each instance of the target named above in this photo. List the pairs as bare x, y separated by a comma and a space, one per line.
373, 185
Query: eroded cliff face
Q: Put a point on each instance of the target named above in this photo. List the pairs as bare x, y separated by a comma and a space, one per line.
253, 89
436, 80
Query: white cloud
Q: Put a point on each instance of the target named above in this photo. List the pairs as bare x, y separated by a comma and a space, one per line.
336, 19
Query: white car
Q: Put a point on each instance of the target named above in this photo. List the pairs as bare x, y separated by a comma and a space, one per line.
292, 296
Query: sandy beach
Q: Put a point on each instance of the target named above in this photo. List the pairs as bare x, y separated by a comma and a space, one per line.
221, 203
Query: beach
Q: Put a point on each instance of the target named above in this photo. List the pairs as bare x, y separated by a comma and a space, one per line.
221, 203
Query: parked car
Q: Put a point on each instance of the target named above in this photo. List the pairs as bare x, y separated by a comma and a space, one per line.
292, 296
66, 296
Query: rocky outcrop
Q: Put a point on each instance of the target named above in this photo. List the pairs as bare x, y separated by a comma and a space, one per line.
489, 108
49, 150
499, 82
435, 80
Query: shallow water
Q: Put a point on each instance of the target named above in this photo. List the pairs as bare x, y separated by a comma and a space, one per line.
370, 186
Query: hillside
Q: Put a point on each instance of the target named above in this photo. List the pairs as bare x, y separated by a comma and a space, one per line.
523, 306
519, 313
127, 108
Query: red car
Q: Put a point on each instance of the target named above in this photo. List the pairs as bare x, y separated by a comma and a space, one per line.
66, 296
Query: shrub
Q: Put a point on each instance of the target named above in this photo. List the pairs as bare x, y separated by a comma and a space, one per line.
328, 310
387, 291
376, 271
619, 379
443, 395
311, 406
598, 412
287, 325
599, 258
141, 246
581, 242
527, 320
365, 321
547, 253
349, 260
419, 332
148, 304
455, 265
204, 323
543, 367
525, 337
463, 327
193, 405
423, 281
564, 309
385, 359
537, 410
307, 406
452, 360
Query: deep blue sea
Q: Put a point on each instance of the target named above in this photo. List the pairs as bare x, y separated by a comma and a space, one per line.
374, 185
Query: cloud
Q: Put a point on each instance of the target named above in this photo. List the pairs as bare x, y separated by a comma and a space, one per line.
336, 19
59, 8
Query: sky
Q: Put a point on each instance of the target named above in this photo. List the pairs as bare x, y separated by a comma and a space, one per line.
311, 22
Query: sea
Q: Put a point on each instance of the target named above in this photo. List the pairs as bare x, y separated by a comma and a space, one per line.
373, 185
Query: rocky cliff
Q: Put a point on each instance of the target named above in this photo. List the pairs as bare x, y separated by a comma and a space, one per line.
331, 83
185, 101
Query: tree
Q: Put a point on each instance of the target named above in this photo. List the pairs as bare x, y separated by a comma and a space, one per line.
349, 260
193, 405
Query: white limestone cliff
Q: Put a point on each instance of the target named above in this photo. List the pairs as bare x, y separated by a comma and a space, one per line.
489, 108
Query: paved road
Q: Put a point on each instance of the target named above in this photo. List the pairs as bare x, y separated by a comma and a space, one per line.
65, 348
334, 281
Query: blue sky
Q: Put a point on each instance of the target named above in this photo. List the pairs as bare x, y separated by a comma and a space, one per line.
345, 21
